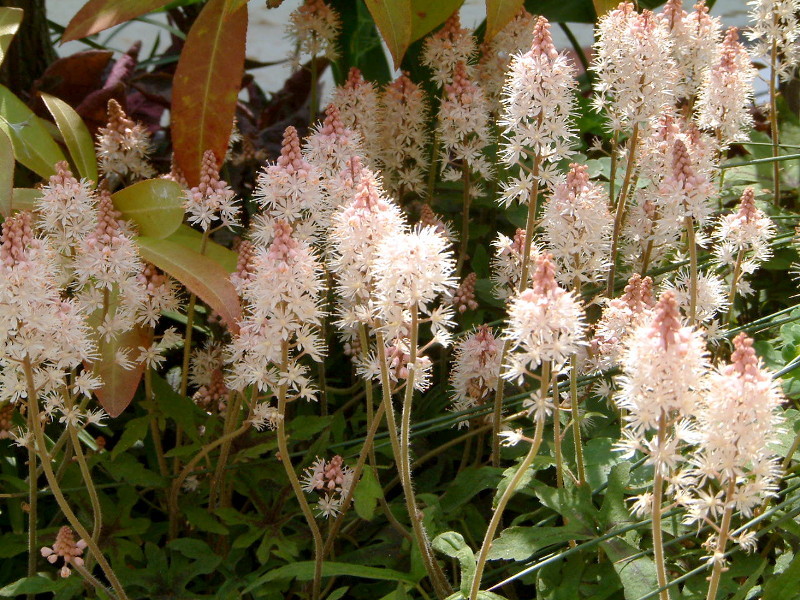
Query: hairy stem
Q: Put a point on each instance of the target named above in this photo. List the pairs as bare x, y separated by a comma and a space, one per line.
509, 491
155, 433
231, 416
576, 419
658, 494
722, 542
33, 502
773, 118
40, 444
692, 247
737, 273
283, 450
466, 200
619, 217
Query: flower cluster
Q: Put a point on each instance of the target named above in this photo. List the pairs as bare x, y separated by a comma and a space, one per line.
449, 46
315, 27
211, 199
476, 370
361, 111
67, 548
332, 480
123, 146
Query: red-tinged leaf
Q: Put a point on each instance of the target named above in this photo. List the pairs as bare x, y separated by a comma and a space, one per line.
119, 385
97, 15
206, 86
72, 78
427, 16
202, 275
498, 14
6, 174
393, 19
10, 20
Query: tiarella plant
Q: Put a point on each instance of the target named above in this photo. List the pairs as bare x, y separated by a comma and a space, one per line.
503, 322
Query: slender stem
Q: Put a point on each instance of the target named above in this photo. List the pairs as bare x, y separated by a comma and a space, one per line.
39, 441
440, 584
773, 118
576, 419
530, 225
612, 183
84, 572
314, 100
722, 542
231, 416
155, 433
33, 502
94, 499
433, 170
619, 217
509, 491
466, 199
204, 451
737, 273
283, 450
692, 247
658, 493
559, 456
362, 459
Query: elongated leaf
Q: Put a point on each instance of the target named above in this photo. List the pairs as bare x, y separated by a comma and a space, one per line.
638, 575
206, 85
427, 16
10, 20
452, 544
97, 15
24, 198
6, 174
304, 571
499, 13
119, 385
155, 205
394, 22
520, 543
601, 7
368, 492
202, 275
76, 136
193, 239
33, 146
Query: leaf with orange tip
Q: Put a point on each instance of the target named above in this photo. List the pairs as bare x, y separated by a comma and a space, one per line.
97, 15
202, 275
206, 86
393, 20
119, 385
498, 14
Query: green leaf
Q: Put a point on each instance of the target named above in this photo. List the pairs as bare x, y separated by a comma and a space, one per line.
304, 571
498, 14
10, 20
614, 513
466, 485
305, 427
427, 16
337, 593
600, 457
638, 575
128, 468
178, 408
368, 492
452, 544
24, 198
193, 239
206, 86
97, 15
135, 430
508, 475
777, 587
33, 146
574, 504
393, 20
155, 205
76, 136
200, 518
202, 275
6, 174
601, 7
520, 543
34, 585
